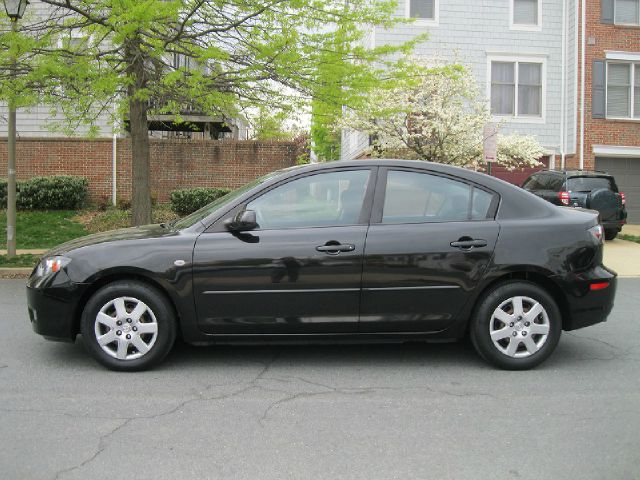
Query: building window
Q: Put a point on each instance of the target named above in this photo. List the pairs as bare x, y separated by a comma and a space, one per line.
516, 88
424, 11
627, 12
623, 90
525, 13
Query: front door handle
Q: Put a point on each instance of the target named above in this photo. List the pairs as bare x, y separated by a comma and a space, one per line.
336, 248
467, 243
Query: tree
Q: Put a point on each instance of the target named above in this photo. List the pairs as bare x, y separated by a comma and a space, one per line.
436, 114
136, 57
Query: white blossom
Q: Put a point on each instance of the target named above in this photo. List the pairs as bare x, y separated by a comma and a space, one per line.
436, 114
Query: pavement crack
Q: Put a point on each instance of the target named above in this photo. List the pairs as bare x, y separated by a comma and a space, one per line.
102, 445
597, 340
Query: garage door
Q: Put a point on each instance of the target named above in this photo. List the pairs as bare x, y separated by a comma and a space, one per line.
627, 174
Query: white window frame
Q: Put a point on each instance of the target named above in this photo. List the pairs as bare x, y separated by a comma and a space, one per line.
424, 22
514, 58
525, 27
632, 64
615, 4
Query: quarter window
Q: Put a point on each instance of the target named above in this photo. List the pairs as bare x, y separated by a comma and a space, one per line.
516, 89
627, 12
412, 197
325, 199
623, 90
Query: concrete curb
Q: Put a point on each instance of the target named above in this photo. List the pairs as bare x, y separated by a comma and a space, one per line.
6, 272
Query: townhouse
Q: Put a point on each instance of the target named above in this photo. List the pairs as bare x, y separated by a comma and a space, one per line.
565, 71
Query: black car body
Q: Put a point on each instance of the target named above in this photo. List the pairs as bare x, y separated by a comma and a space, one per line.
585, 189
375, 250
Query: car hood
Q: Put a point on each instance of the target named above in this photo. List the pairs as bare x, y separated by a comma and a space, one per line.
123, 234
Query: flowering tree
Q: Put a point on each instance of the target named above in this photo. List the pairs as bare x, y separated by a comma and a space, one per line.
436, 114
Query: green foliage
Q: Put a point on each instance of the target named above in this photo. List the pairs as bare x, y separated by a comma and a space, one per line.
48, 193
43, 229
186, 201
270, 126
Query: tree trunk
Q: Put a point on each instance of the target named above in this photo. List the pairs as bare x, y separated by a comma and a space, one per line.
140, 188
138, 125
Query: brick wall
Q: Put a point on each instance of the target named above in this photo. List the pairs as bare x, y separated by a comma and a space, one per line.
603, 131
174, 163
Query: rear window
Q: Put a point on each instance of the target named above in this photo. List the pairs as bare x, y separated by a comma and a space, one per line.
588, 184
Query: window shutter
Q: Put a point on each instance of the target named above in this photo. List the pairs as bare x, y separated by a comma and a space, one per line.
598, 89
606, 10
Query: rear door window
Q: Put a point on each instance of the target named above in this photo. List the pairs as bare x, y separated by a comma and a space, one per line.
412, 197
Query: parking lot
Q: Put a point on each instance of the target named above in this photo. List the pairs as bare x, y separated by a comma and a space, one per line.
367, 411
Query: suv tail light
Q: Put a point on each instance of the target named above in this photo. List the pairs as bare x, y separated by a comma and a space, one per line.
564, 197
596, 231
623, 198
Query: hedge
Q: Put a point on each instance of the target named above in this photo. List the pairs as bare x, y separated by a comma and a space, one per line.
48, 193
188, 200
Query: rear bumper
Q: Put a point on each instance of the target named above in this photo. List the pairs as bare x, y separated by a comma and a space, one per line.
586, 306
52, 307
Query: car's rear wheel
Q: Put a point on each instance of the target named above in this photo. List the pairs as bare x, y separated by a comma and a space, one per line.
128, 326
516, 326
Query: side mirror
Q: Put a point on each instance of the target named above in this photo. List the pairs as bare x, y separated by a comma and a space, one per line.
244, 221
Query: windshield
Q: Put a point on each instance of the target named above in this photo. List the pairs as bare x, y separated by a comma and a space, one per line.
208, 209
588, 184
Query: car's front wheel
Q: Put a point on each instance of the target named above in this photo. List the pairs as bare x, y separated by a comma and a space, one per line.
128, 326
516, 326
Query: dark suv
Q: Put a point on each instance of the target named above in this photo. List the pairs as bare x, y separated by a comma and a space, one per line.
586, 189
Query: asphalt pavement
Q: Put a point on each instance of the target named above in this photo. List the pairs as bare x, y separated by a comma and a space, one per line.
322, 412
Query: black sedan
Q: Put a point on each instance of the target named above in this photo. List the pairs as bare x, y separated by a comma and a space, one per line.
381, 250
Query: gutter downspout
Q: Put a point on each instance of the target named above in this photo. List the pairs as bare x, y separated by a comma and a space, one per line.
583, 21
563, 93
114, 168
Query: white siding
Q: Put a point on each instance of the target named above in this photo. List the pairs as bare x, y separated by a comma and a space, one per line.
470, 32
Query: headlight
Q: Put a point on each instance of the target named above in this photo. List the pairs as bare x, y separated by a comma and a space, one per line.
52, 265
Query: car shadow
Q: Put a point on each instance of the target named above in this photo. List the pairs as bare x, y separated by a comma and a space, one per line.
570, 353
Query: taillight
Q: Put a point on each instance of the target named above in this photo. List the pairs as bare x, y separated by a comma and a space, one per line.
598, 286
597, 232
564, 198
622, 197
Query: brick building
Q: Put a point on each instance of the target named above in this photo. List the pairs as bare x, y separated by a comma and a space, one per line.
610, 138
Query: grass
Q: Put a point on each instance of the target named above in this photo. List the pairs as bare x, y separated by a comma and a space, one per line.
46, 229
42, 229
631, 238
19, 261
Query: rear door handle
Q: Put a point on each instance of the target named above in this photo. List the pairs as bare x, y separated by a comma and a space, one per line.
467, 243
335, 249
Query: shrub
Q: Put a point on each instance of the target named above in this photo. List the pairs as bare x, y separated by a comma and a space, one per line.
48, 193
188, 200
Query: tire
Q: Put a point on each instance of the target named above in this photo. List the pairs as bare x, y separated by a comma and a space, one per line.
610, 234
128, 326
511, 341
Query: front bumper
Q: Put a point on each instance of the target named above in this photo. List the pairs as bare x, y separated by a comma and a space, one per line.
52, 304
585, 306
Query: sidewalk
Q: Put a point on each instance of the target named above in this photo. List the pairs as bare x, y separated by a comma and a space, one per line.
631, 230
